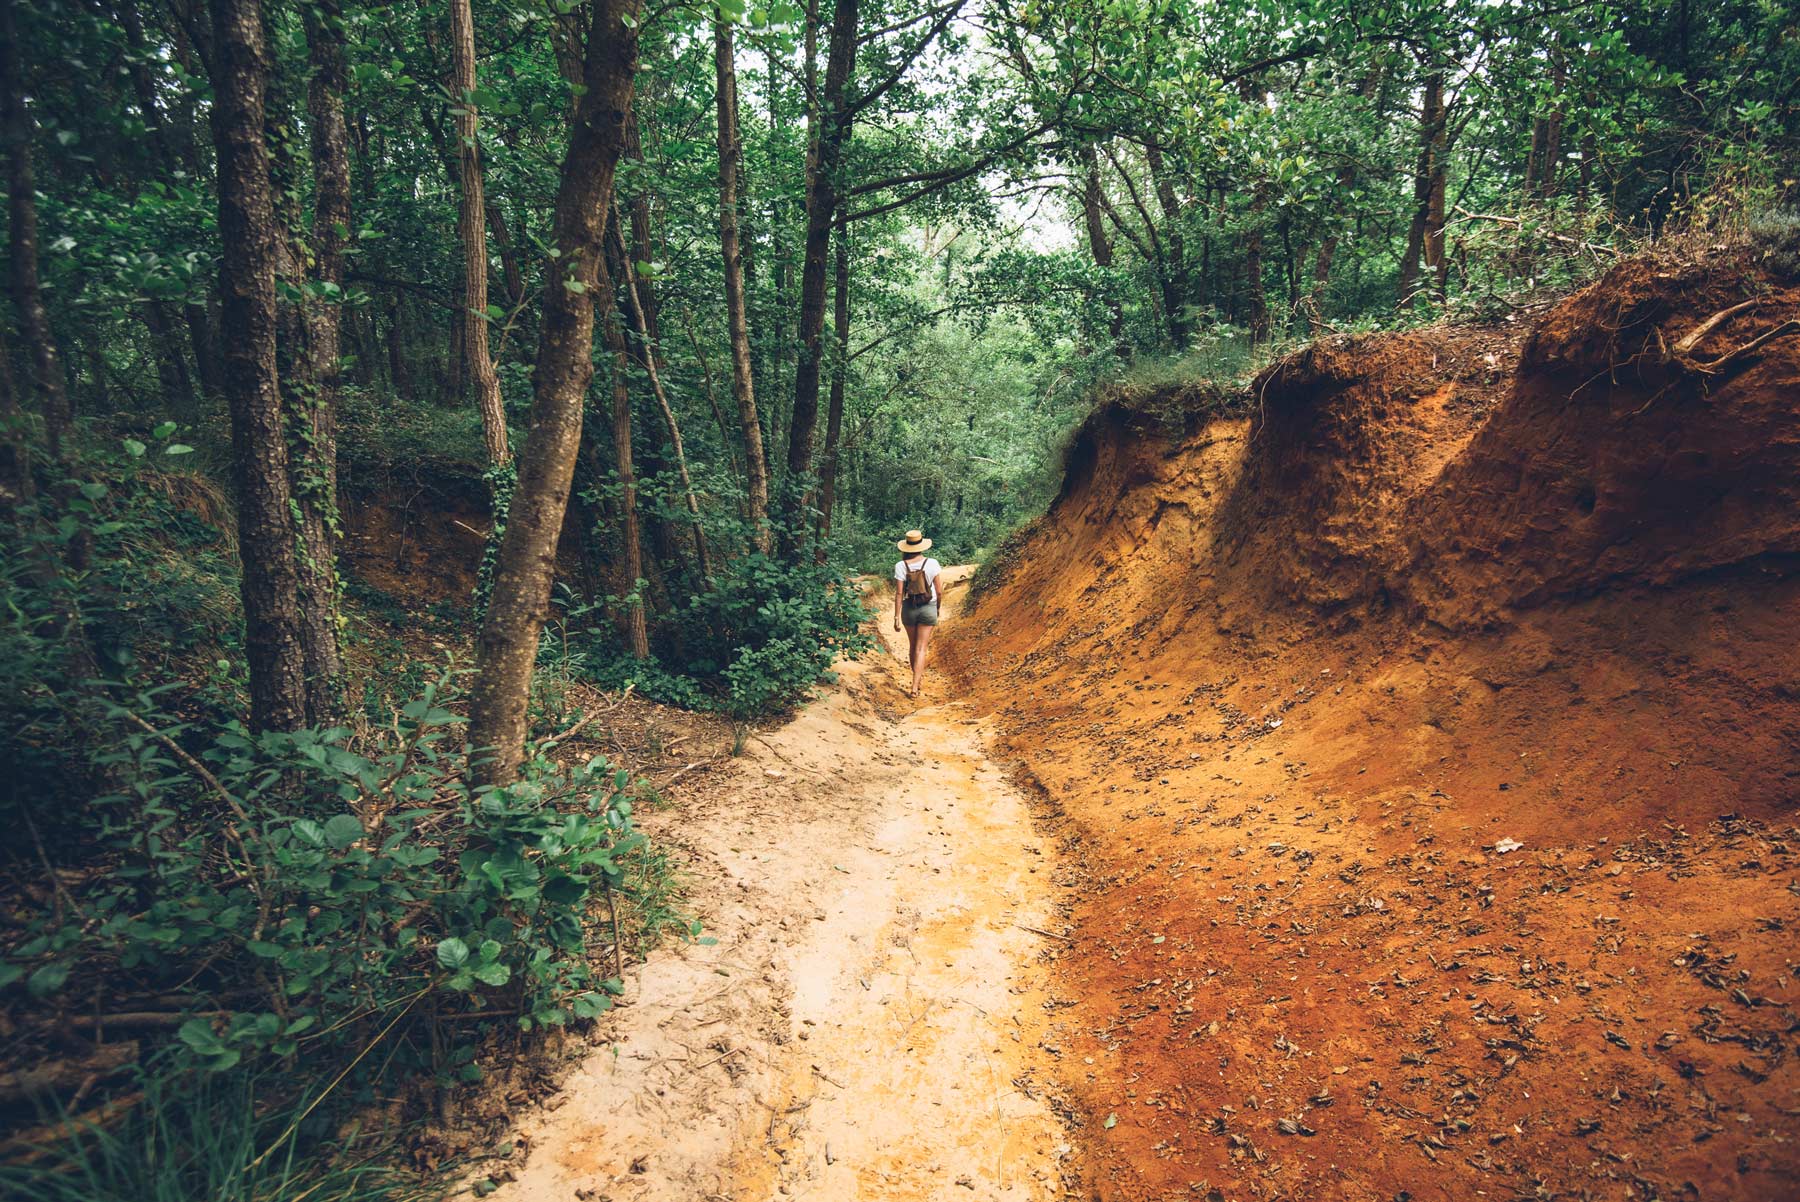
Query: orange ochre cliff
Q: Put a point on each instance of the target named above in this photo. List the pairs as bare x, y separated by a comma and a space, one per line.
1427, 733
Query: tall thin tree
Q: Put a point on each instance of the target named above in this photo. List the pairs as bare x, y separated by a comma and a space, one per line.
314, 465
840, 376
506, 649
247, 238
471, 227
48, 379
743, 386
822, 184
637, 633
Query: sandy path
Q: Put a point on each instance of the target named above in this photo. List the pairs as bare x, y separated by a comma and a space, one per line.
868, 1023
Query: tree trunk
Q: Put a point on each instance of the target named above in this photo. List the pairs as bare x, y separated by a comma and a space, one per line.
471, 227
1181, 325
399, 372
743, 388
314, 469
1435, 216
510, 270
172, 376
506, 648
1099, 245
1545, 157
1424, 180
636, 633
840, 375
727, 434
48, 379
17, 486
635, 305
822, 163
247, 236
202, 336
1257, 304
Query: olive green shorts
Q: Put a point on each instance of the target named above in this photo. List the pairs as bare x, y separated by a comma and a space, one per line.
923, 614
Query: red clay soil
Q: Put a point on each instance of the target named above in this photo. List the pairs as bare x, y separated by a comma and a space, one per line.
1431, 742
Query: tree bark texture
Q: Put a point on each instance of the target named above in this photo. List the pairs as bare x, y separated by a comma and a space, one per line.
314, 465
248, 238
840, 376
1181, 323
743, 387
1427, 186
637, 307
506, 648
637, 634
1100, 246
822, 162
471, 227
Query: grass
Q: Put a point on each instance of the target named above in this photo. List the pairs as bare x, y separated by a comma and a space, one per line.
203, 1138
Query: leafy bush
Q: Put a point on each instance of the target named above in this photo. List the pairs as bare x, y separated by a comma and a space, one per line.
266, 856
754, 642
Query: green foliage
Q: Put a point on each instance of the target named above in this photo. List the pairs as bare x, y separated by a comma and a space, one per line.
224, 1138
264, 861
754, 642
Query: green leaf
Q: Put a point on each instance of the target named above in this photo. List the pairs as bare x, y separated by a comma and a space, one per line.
163, 430
1112, 1120
134, 448
49, 979
197, 1033
343, 830
178, 448
452, 952
493, 974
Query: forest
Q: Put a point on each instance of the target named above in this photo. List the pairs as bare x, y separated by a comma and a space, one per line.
373, 375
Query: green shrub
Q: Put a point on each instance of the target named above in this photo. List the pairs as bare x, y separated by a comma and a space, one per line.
755, 641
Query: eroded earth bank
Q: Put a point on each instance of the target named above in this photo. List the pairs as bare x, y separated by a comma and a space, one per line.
1430, 729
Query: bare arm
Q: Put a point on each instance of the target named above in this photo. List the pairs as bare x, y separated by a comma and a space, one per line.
899, 587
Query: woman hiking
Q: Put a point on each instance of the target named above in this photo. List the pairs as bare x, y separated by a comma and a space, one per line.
916, 596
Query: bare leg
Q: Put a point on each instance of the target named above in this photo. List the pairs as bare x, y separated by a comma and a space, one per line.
923, 645
912, 653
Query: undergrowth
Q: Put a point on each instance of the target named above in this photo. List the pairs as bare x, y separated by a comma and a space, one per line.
258, 928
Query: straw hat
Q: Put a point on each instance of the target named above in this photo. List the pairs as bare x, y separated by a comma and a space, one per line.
914, 542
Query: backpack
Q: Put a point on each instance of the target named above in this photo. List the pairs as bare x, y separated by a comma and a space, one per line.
917, 589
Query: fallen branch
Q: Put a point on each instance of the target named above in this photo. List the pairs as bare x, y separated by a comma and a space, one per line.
197, 768
684, 771
594, 713
1594, 248
39, 1142
59, 1077
139, 1020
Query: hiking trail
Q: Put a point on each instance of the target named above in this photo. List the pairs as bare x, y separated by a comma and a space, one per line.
868, 1022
